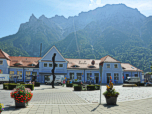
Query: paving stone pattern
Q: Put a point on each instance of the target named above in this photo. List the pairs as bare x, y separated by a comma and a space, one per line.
64, 100
129, 107
59, 95
126, 94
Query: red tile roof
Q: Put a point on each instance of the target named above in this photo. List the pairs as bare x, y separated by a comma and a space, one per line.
129, 67
24, 61
109, 59
4, 55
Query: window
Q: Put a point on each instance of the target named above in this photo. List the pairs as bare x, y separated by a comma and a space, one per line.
88, 76
136, 75
96, 74
108, 65
45, 64
1, 71
116, 65
127, 75
116, 76
11, 77
34, 73
19, 73
75, 66
1, 62
71, 76
60, 65
27, 74
56, 65
50, 65
79, 76
11, 72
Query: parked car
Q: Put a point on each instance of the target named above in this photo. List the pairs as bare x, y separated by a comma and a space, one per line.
58, 80
132, 80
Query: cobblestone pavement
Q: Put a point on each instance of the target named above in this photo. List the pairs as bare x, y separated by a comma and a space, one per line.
62, 100
59, 95
129, 107
126, 94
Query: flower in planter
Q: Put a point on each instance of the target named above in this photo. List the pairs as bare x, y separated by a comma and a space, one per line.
1, 107
110, 91
21, 94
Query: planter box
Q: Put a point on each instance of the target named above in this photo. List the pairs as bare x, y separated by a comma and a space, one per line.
111, 100
20, 105
77, 88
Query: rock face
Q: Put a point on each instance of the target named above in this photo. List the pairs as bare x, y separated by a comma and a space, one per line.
119, 16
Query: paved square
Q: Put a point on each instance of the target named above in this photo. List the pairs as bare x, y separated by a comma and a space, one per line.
64, 100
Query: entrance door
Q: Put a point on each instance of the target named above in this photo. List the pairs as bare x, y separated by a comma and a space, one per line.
97, 80
108, 77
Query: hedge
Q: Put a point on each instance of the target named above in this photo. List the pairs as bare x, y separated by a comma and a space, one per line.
77, 88
90, 87
11, 86
140, 84
31, 86
97, 87
37, 84
22, 82
69, 85
75, 85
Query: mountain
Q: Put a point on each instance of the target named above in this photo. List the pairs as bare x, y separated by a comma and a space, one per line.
115, 30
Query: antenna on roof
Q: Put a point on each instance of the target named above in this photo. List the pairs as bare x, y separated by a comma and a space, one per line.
40, 49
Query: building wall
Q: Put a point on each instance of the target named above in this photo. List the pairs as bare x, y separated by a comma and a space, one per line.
4, 66
112, 70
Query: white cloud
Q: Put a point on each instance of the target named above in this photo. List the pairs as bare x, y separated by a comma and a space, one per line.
142, 5
98, 2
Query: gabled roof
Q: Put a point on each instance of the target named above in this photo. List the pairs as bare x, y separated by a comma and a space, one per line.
57, 51
4, 55
129, 67
109, 59
24, 61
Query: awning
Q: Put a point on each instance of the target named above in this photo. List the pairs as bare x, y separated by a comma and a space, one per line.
44, 73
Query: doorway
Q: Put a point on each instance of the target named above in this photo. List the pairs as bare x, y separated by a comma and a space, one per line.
97, 80
108, 77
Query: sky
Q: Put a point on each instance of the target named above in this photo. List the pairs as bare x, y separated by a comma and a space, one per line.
15, 12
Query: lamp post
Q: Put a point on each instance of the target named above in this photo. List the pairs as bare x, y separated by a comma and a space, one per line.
100, 70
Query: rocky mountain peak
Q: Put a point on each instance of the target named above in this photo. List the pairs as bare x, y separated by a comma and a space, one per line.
32, 18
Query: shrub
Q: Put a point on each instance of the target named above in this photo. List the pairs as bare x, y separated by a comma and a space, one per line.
5, 85
77, 88
69, 85
84, 88
37, 84
140, 84
90, 87
97, 87
11, 86
31, 86
22, 82
75, 85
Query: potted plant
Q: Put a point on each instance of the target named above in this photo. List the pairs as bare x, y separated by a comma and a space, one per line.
1, 107
110, 94
21, 96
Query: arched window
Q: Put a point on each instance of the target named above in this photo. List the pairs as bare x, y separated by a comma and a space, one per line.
1, 71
